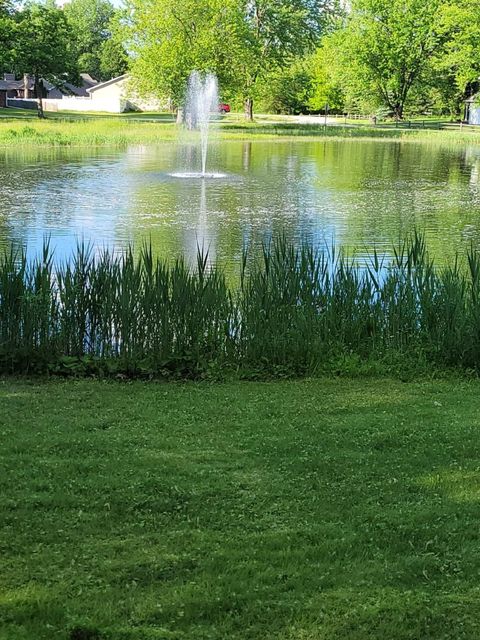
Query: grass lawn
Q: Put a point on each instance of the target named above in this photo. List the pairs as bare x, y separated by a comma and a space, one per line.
22, 128
311, 510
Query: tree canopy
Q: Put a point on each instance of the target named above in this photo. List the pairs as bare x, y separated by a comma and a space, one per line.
43, 47
240, 40
287, 55
95, 29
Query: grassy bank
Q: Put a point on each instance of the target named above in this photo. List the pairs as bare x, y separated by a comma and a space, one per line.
294, 312
314, 510
96, 130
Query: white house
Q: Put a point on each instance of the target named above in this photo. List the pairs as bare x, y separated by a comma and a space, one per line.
112, 96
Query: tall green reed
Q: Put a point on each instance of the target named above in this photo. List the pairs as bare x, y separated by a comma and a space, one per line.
296, 310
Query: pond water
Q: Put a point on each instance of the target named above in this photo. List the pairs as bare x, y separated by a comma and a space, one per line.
355, 194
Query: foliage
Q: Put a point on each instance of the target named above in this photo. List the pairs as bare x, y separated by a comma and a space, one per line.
460, 59
295, 311
240, 41
170, 41
386, 46
43, 46
7, 30
95, 26
423, 56
114, 59
287, 90
270, 35
325, 87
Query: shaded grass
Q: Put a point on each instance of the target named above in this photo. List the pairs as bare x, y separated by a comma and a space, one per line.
314, 510
295, 311
103, 130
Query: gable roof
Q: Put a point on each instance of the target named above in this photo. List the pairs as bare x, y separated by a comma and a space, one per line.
107, 83
6, 85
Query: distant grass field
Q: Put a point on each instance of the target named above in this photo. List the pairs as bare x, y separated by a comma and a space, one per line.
312, 510
21, 128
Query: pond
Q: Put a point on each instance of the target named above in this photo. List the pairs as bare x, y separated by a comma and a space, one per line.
355, 194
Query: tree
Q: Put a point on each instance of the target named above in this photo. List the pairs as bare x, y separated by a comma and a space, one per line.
242, 41
7, 27
113, 59
287, 90
44, 47
458, 66
95, 26
325, 88
386, 46
170, 41
270, 35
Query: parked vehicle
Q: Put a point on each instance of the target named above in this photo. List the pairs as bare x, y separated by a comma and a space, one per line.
224, 108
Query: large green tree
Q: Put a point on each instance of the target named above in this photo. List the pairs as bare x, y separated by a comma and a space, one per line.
385, 47
44, 47
171, 39
270, 35
95, 26
7, 27
458, 65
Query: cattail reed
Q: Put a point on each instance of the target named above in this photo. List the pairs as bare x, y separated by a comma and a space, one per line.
295, 311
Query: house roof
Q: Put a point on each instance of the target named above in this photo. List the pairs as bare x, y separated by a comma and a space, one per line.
66, 88
7, 85
107, 83
87, 82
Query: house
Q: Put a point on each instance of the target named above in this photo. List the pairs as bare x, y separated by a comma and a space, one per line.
10, 88
113, 96
110, 95
472, 110
117, 95
22, 93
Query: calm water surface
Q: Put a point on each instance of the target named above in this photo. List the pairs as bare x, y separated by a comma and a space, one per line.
355, 194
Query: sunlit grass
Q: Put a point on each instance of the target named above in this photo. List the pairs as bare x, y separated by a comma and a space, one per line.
285, 510
22, 129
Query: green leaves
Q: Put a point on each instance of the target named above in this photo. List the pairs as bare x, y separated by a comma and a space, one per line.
240, 41
44, 45
98, 34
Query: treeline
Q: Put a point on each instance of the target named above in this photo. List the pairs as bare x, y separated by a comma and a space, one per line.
291, 56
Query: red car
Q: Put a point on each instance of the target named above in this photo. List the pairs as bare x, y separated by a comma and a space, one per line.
224, 108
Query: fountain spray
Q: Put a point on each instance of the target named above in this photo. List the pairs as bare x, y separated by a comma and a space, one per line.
202, 100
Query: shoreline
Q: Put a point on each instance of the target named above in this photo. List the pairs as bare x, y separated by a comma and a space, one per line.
121, 132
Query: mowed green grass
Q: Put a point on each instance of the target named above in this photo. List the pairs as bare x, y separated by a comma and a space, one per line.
298, 510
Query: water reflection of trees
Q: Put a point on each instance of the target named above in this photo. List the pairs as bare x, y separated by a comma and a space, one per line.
351, 193
387, 189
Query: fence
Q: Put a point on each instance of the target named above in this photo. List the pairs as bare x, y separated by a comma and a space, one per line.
22, 103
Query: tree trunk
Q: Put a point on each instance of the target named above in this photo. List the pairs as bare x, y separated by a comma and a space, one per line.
398, 111
38, 91
249, 109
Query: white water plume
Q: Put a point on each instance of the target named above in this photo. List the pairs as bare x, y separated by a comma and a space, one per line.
201, 102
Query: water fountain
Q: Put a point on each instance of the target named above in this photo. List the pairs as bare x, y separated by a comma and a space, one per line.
201, 102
